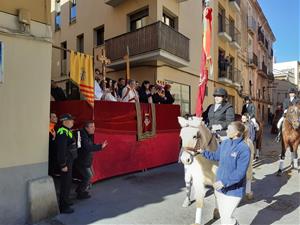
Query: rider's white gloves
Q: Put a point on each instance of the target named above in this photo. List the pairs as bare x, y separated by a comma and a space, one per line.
218, 185
216, 127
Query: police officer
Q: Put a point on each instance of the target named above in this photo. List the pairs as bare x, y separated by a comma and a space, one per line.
290, 101
66, 153
220, 114
85, 157
250, 109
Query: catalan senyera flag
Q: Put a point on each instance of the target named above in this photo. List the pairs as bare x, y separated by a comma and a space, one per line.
81, 73
206, 60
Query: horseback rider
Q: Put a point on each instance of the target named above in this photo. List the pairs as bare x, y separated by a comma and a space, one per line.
250, 109
290, 101
220, 114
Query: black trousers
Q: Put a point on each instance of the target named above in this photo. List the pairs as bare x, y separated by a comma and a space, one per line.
86, 174
65, 186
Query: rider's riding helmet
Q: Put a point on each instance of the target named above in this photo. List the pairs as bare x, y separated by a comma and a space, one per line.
292, 90
247, 98
220, 92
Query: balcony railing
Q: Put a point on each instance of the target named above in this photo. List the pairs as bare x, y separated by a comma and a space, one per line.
235, 5
272, 52
252, 25
224, 28
154, 37
236, 38
253, 60
263, 69
231, 75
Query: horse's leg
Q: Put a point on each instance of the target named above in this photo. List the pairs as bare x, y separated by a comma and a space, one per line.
188, 185
198, 184
292, 156
282, 156
296, 147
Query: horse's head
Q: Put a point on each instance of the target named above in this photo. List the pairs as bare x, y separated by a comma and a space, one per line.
194, 135
293, 116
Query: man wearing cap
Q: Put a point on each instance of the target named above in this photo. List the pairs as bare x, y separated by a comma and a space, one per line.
221, 114
66, 153
250, 109
290, 101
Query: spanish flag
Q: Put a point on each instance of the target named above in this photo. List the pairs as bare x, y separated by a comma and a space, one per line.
81, 73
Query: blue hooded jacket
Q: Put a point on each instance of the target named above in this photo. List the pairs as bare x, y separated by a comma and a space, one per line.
233, 157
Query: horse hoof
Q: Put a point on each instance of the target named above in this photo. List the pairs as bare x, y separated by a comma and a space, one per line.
216, 215
249, 196
279, 173
186, 203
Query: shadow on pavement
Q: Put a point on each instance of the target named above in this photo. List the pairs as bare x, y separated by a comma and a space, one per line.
117, 196
282, 205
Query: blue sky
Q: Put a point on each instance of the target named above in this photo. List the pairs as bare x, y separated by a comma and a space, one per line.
284, 19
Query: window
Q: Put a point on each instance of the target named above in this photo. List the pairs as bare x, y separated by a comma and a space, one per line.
57, 17
63, 71
99, 36
80, 43
73, 11
138, 20
231, 27
221, 19
182, 96
170, 21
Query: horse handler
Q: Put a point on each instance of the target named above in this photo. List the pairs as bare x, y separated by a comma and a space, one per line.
234, 156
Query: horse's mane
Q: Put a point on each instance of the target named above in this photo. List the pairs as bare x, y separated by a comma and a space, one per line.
206, 139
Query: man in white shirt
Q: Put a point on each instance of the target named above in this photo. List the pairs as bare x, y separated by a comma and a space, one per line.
129, 93
98, 90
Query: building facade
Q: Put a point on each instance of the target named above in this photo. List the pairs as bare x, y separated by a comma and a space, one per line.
163, 44
260, 59
288, 71
164, 39
25, 52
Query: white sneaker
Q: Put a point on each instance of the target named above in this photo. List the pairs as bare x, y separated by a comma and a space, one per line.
186, 203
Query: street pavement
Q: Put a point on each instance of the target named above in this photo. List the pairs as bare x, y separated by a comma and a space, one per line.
155, 197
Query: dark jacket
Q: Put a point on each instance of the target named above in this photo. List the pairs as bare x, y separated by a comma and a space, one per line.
85, 153
224, 115
250, 109
287, 103
157, 99
58, 94
143, 95
66, 146
170, 99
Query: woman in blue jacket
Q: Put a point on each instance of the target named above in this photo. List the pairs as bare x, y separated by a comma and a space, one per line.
233, 155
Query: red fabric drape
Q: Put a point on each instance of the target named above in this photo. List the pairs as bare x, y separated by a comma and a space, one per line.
206, 60
116, 123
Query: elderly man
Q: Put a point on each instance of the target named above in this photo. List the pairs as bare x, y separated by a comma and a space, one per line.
85, 158
129, 93
66, 153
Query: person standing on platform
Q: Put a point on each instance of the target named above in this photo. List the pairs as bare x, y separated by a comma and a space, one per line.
98, 90
85, 158
121, 86
56, 92
66, 153
129, 93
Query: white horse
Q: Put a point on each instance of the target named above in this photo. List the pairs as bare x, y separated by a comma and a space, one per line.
196, 135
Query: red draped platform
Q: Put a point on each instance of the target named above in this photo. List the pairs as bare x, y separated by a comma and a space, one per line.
116, 122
